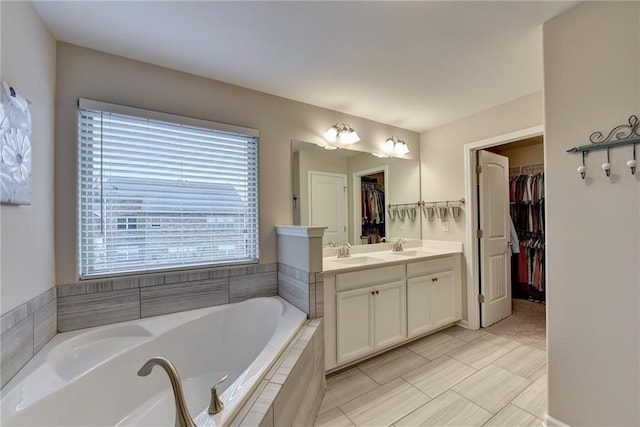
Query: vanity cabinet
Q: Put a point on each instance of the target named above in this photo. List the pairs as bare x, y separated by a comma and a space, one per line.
433, 294
372, 309
369, 318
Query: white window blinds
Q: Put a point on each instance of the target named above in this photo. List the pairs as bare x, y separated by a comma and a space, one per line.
163, 192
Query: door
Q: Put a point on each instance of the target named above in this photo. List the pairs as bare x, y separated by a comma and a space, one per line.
418, 316
354, 320
390, 316
442, 299
495, 262
328, 201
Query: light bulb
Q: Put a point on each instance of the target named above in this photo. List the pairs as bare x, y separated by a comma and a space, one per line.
606, 167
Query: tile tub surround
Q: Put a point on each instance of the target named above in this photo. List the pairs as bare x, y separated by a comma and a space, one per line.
438, 380
300, 267
303, 289
293, 389
25, 330
95, 303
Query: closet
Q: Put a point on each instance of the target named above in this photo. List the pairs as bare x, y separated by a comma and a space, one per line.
527, 206
372, 208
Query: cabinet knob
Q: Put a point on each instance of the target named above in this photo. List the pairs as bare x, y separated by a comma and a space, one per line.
435, 279
377, 292
373, 292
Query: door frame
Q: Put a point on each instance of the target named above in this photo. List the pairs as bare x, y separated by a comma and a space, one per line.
471, 196
346, 197
357, 194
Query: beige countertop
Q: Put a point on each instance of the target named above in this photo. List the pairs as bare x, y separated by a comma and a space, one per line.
381, 255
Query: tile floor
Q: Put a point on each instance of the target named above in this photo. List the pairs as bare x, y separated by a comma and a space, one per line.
456, 377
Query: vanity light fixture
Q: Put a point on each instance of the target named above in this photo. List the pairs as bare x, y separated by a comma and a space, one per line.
395, 146
341, 133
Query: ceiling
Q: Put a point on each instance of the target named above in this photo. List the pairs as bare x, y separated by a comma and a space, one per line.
414, 65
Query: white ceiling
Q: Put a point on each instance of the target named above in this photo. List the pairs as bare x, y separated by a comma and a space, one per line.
415, 65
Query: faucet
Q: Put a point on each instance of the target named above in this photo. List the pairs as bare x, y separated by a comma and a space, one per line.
183, 419
216, 404
343, 252
397, 246
333, 244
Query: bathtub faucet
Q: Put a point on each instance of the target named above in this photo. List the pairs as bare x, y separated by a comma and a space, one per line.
183, 419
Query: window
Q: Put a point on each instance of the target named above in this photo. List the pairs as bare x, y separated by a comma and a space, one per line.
162, 192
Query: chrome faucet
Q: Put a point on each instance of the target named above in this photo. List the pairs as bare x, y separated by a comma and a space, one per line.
397, 246
343, 252
333, 244
183, 419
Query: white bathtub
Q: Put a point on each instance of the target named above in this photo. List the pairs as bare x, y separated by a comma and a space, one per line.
89, 377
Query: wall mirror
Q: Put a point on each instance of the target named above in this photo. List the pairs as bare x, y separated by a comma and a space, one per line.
349, 192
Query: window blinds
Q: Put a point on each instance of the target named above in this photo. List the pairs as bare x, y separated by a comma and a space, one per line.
163, 192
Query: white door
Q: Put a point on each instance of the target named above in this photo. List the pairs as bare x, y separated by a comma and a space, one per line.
495, 262
390, 315
328, 198
418, 316
354, 321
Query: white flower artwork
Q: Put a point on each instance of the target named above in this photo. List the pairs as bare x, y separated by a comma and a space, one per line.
15, 147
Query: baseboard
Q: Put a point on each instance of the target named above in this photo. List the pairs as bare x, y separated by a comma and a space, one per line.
549, 421
463, 323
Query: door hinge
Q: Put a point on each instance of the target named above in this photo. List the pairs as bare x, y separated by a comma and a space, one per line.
481, 299
478, 168
479, 234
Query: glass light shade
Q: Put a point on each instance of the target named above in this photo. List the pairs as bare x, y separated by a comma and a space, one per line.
401, 148
389, 145
348, 136
330, 147
331, 134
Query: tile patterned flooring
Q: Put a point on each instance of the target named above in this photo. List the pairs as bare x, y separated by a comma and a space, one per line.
456, 377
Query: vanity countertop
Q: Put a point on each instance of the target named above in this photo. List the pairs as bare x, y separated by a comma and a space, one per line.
367, 256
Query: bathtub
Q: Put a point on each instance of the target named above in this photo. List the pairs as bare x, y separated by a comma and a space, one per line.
88, 377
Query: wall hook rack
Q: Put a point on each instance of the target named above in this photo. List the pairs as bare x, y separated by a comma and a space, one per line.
625, 134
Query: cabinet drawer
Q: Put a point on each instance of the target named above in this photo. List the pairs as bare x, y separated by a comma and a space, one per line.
371, 277
430, 266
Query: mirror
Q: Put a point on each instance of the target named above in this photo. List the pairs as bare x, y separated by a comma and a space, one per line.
349, 192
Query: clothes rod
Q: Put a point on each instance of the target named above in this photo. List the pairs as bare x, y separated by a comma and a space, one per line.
532, 165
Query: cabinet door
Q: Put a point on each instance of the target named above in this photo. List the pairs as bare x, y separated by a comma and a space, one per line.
354, 313
418, 306
443, 299
390, 315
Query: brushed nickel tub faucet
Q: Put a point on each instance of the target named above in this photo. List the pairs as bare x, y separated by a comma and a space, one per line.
183, 419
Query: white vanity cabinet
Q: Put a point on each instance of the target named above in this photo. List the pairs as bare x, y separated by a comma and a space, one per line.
370, 311
433, 294
371, 308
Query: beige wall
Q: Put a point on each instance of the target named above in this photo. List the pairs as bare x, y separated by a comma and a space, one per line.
85, 73
27, 232
522, 156
592, 83
442, 161
442, 155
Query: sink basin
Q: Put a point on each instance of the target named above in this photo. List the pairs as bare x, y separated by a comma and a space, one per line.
356, 260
